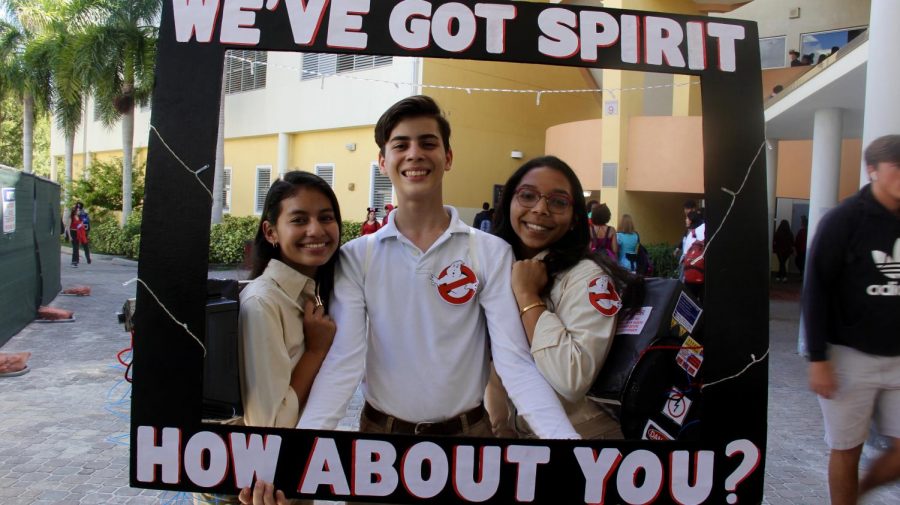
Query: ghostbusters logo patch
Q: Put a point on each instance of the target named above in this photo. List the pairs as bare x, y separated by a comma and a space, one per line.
456, 283
602, 295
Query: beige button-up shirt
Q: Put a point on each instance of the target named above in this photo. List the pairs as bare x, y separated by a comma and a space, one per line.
570, 343
272, 342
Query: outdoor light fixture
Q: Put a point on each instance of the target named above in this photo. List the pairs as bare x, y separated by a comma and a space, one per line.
516, 155
351, 146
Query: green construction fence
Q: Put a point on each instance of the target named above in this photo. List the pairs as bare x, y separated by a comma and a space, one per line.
30, 228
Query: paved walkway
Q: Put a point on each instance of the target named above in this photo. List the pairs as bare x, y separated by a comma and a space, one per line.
63, 426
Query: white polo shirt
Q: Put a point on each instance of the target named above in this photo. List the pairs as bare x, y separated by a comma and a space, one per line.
426, 357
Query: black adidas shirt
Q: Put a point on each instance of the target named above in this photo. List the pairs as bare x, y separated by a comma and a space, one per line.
851, 293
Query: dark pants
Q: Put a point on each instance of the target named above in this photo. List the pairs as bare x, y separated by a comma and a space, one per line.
782, 266
73, 235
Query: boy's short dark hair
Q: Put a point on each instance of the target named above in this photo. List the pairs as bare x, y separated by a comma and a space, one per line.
410, 107
884, 149
690, 204
485, 206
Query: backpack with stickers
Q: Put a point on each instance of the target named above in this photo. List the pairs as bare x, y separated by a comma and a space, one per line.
643, 381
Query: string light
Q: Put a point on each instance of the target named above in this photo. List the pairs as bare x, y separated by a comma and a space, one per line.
179, 323
753, 361
734, 195
467, 89
183, 164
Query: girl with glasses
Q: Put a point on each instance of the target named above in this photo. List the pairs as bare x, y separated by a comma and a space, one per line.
569, 298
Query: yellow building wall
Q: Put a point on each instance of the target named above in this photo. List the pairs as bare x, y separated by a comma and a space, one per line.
795, 168
665, 154
577, 144
488, 126
352, 169
243, 155
653, 212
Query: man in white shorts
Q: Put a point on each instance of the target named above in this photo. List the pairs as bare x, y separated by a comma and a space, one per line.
851, 309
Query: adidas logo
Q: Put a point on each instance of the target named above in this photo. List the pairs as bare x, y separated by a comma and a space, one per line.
889, 265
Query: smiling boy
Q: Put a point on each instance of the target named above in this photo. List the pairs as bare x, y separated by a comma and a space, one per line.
432, 289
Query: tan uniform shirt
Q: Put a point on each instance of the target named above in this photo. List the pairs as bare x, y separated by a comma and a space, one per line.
271, 344
571, 340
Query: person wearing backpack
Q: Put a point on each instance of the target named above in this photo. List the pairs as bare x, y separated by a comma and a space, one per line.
691, 261
603, 236
628, 240
569, 298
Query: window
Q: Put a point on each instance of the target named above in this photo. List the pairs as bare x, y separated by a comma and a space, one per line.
609, 176
263, 181
316, 65
326, 171
381, 190
772, 53
226, 190
244, 70
823, 42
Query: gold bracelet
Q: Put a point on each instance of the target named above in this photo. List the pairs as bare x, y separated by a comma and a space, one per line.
525, 309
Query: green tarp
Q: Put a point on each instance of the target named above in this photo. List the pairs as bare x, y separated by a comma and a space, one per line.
29, 248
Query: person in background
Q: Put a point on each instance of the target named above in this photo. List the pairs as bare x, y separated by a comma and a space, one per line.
849, 304
603, 236
371, 225
387, 212
79, 225
783, 247
695, 230
591, 205
481, 216
690, 206
800, 245
794, 55
627, 239
554, 279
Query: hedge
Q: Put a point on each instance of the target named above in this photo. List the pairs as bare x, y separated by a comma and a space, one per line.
226, 239
665, 264
107, 237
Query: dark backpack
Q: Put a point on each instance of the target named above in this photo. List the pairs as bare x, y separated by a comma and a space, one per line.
640, 259
644, 263
694, 263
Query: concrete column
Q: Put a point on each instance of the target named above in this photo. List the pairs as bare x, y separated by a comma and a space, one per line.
825, 179
882, 115
826, 165
771, 179
283, 153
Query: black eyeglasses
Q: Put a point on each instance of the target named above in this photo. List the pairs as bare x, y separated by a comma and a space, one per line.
557, 203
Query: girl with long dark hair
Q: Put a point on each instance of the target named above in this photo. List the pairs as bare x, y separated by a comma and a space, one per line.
285, 329
569, 298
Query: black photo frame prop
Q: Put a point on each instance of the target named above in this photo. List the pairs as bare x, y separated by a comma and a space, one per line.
171, 449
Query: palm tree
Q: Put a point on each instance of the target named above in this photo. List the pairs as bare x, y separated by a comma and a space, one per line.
116, 54
34, 42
